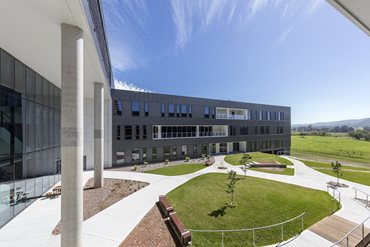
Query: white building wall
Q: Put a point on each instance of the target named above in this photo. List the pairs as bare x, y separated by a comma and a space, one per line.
89, 132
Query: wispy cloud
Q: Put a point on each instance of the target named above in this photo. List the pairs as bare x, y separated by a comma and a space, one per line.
128, 86
313, 6
280, 40
140, 32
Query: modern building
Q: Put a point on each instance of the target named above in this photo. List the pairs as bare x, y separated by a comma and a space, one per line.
55, 104
157, 127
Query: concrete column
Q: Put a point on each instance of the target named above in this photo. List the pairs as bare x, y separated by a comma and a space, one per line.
217, 148
229, 147
72, 135
98, 134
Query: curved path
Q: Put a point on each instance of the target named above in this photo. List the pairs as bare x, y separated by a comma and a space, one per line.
33, 226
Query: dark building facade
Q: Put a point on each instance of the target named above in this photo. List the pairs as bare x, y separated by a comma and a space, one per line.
157, 127
29, 136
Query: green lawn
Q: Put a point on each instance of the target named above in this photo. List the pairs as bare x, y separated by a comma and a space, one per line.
347, 171
233, 159
341, 148
260, 202
176, 170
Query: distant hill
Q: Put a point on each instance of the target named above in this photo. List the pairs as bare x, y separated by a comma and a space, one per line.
355, 123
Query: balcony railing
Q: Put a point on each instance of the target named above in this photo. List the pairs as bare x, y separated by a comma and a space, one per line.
188, 134
227, 116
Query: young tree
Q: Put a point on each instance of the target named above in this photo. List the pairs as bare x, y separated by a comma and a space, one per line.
336, 168
231, 186
244, 162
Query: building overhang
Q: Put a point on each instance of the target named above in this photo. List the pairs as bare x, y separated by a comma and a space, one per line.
31, 31
357, 11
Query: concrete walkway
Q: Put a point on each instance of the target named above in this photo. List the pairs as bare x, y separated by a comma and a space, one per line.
33, 226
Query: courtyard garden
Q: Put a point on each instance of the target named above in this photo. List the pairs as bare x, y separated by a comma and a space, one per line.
202, 204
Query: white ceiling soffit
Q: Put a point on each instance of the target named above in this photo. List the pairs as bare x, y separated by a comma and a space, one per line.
357, 11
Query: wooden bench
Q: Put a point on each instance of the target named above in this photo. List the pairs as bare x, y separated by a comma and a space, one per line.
179, 228
165, 205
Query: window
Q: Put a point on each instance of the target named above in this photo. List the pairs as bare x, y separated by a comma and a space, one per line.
30, 84
177, 110
20, 71
144, 132
174, 152
282, 116
128, 132
154, 154
184, 151
120, 158
204, 149
166, 153
232, 130
118, 107
155, 132
195, 151
206, 112
262, 130
190, 111
256, 130
213, 112
7, 70
135, 156
146, 109
163, 110
144, 155
279, 129
243, 130
135, 108
137, 132
223, 147
183, 111
171, 110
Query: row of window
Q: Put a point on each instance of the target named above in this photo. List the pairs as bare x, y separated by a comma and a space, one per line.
183, 111
176, 152
140, 130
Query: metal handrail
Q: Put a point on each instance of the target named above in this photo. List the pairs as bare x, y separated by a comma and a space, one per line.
253, 229
350, 232
366, 194
250, 229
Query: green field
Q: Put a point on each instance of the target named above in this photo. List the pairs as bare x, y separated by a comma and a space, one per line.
233, 159
336, 148
350, 173
176, 170
260, 202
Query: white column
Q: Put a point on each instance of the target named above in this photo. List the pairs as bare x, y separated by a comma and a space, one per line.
243, 146
229, 147
217, 148
197, 130
72, 135
98, 134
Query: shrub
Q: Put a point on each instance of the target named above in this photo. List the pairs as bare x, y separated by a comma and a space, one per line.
135, 168
187, 158
146, 163
166, 161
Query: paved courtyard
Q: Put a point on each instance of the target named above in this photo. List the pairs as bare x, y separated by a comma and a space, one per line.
110, 227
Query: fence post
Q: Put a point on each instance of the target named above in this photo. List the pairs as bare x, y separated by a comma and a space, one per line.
363, 231
222, 243
282, 232
347, 241
302, 223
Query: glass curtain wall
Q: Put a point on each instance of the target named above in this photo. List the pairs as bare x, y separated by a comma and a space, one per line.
29, 136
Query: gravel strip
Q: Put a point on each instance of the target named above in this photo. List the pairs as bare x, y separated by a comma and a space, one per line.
96, 200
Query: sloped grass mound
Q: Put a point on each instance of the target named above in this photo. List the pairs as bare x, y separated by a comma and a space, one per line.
200, 205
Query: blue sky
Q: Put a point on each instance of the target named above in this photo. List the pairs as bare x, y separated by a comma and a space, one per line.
302, 54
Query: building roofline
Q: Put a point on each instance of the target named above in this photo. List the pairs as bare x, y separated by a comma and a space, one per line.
193, 97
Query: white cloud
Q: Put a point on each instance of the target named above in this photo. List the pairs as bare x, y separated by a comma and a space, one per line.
256, 6
313, 6
284, 35
122, 85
